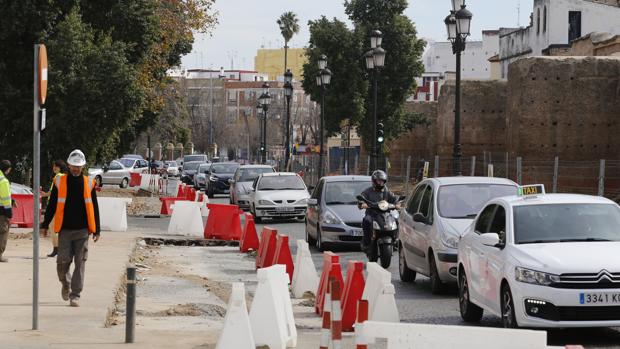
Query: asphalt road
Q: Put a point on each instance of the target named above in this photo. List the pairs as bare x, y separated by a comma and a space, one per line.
415, 302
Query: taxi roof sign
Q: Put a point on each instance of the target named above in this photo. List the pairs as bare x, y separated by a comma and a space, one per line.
531, 190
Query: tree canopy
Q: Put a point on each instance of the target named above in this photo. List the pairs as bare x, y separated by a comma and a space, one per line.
350, 93
107, 71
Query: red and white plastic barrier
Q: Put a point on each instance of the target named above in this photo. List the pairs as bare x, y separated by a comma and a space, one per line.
186, 219
113, 213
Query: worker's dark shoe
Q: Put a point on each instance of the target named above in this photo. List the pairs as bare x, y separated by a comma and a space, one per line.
75, 302
3, 259
54, 253
65, 292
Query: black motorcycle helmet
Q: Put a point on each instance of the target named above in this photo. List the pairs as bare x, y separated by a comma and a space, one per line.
379, 178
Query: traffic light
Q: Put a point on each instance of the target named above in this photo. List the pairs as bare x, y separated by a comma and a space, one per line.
380, 133
262, 148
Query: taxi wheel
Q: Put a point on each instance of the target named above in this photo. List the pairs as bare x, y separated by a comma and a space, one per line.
124, 183
469, 311
406, 274
320, 245
437, 287
508, 309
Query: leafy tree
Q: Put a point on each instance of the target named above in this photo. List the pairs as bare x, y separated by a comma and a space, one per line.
350, 95
344, 98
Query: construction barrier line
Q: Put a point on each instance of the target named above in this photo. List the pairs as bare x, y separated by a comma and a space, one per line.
331, 267
305, 278
283, 255
353, 290
362, 316
336, 315
326, 328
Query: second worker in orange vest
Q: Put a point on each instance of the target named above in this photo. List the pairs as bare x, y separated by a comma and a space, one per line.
73, 206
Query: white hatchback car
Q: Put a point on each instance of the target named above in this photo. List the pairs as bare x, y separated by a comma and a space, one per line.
279, 195
543, 261
433, 219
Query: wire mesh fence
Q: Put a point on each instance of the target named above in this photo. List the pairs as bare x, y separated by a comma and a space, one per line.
592, 177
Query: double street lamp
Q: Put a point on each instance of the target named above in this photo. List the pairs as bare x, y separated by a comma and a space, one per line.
323, 79
263, 105
288, 93
458, 24
375, 60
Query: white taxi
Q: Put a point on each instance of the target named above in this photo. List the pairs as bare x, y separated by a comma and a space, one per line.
539, 260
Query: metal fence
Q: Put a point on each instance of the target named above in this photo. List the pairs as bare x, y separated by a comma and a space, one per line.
595, 177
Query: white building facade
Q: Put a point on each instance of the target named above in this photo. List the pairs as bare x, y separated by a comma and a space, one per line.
557, 23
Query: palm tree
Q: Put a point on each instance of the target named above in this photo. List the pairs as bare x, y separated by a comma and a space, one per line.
289, 26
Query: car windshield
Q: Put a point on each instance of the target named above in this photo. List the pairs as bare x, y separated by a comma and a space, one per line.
281, 183
566, 223
250, 174
224, 168
192, 166
171, 163
190, 158
463, 201
204, 168
344, 193
127, 162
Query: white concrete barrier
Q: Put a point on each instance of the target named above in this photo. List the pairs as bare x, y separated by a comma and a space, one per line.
186, 219
271, 315
237, 332
379, 292
305, 277
113, 213
426, 336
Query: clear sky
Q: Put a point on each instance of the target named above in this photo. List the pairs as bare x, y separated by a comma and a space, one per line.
247, 25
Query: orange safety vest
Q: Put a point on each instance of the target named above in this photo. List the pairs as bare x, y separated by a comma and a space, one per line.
61, 185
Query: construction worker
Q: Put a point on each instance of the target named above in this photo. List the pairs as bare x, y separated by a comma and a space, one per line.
73, 206
6, 206
58, 168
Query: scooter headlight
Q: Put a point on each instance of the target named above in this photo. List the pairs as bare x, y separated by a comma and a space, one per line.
383, 205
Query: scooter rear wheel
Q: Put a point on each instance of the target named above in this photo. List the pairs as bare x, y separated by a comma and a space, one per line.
386, 255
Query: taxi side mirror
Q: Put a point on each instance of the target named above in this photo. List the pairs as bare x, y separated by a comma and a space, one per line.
490, 239
419, 218
312, 202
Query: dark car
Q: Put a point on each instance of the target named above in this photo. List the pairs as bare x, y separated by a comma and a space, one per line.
189, 170
333, 215
219, 175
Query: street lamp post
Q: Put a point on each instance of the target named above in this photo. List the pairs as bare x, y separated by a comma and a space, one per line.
323, 79
375, 60
264, 100
458, 24
259, 115
288, 92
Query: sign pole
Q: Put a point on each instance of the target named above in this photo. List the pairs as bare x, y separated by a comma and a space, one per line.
38, 121
35, 190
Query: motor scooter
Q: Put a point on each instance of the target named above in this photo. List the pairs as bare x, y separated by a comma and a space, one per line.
384, 231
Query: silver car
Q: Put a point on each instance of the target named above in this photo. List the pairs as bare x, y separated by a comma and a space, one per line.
434, 218
333, 215
241, 183
278, 195
115, 173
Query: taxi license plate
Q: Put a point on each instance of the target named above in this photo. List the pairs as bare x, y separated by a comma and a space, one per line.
285, 209
599, 298
358, 233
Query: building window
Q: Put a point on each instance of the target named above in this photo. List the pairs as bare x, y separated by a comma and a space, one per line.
574, 25
538, 21
545, 19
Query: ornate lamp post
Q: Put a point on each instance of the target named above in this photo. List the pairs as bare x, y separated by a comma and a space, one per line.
288, 93
458, 24
323, 79
264, 101
375, 60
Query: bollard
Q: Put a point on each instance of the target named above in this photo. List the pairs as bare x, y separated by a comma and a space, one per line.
130, 311
362, 316
336, 315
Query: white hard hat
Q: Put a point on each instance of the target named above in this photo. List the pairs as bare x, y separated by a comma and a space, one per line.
76, 158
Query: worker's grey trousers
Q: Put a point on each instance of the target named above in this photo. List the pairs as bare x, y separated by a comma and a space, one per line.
72, 246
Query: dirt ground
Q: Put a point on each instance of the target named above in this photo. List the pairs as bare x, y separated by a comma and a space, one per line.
142, 201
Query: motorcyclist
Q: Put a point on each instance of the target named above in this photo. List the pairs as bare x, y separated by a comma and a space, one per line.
376, 193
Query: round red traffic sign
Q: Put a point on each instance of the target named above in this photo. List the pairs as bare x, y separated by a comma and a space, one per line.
42, 73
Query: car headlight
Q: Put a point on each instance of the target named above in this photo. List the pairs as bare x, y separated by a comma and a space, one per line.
265, 202
330, 218
302, 202
450, 240
535, 277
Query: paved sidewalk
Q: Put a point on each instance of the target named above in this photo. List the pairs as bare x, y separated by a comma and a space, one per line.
61, 326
